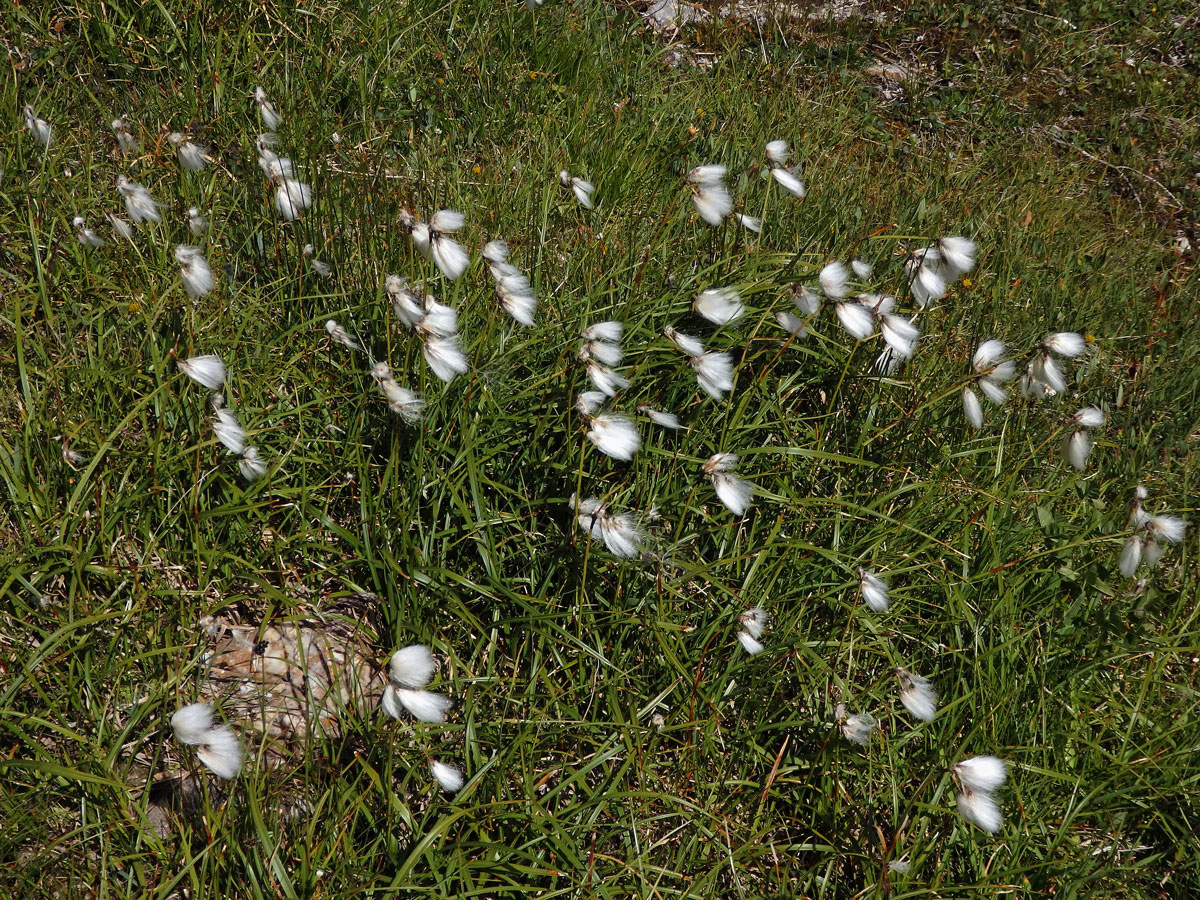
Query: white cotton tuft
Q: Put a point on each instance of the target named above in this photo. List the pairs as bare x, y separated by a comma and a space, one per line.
126, 142
856, 319
192, 157
138, 202
251, 465
756, 621
603, 331
425, 706
517, 297
495, 251
736, 493
993, 391
207, 371
1089, 417
221, 752
194, 270
39, 129
341, 335
85, 235
1131, 555
714, 373
445, 356
620, 533
858, 728
713, 204
583, 192
981, 810
777, 152
412, 666
981, 773
605, 379
589, 402
449, 778
602, 351
266, 109
659, 417
192, 723
956, 255
1077, 448
292, 197
806, 301
874, 590
614, 436
926, 285
861, 268
197, 224
971, 408
1065, 343
917, 695
120, 227
988, 355
720, 462
228, 430
719, 305
1170, 529
750, 223
449, 255
749, 643
793, 324
1047, 370
788, 180
834, 280
685, 342
900, 334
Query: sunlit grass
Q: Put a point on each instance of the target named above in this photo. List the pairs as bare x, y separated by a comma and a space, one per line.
616, 739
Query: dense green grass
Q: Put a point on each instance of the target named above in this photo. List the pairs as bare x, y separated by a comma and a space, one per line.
561, 658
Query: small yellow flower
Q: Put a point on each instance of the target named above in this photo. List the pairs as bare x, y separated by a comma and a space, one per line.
1090, 338
966, 282
476, 170
134, 306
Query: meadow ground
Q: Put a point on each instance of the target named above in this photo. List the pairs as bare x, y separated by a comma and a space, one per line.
616, 739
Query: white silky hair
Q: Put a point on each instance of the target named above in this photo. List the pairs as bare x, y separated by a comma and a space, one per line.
713, 203
858, 728
603, 351
445, 356
341, 335
39, 129
734, 492
194, 270
714, 373
425, 706
749, 643
1089, 417
192, 722
614, 436
980, 809
207, 371
605, 379
793, 324
449, 255
755, 620
221, 752
603, 331
1077, 448
192, 156
120, 227
789, 182
900, 334
412, 666
981, 773
252, 466
266, 109
449, 778
834, 279
917, 695
719, 305
987, 355
874, 590
1065, 343
1131, 555
138, 202
660, 417
197, 224
620, 533
692, 346
292, 197
777, 152
228, 430
856, 319
972, 408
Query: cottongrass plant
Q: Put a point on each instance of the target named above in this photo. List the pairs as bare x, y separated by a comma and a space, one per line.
932, 271
85, 235
39, 129
714, 370
120, 227
432, 239
138, 202
217, 747
709, 194
192, 156
126, 142
410, 670
449, 778
581, 188
856, 728
978, 778
873, 589
660, 417
719, 305
403, 402
194, 270
619, 532
337, 333
917, 695
754, 621
271, 119
207, 371
778, 155
1078, 445
736, 493
1044, 376
1150, 535
513, 288
197, 223
990, 372
614, 435
599, 351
